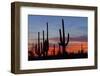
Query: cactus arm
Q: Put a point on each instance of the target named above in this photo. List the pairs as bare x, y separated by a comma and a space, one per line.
60, 35
67, 40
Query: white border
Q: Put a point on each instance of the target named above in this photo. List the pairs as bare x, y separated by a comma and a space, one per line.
25, 64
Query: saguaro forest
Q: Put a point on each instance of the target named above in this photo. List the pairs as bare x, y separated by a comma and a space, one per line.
57, 37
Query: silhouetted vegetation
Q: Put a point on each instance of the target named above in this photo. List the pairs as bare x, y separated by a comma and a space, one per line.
63, 42
39, 50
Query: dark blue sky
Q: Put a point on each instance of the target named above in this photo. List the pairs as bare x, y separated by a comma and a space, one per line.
75, 26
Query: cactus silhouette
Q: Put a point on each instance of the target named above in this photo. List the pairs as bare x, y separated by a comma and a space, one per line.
39, 50
42, 48
38, 46
45, 44
63, 41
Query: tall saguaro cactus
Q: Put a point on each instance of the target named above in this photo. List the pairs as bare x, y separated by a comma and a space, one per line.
47, 40
43, 46
38, 46
63, 41
45, 43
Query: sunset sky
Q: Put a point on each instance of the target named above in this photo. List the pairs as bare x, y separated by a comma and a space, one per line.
75, 26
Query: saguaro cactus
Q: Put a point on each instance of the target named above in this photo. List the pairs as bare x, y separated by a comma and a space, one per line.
47, 38
38, 46
45, 44
43, 48
63, 42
